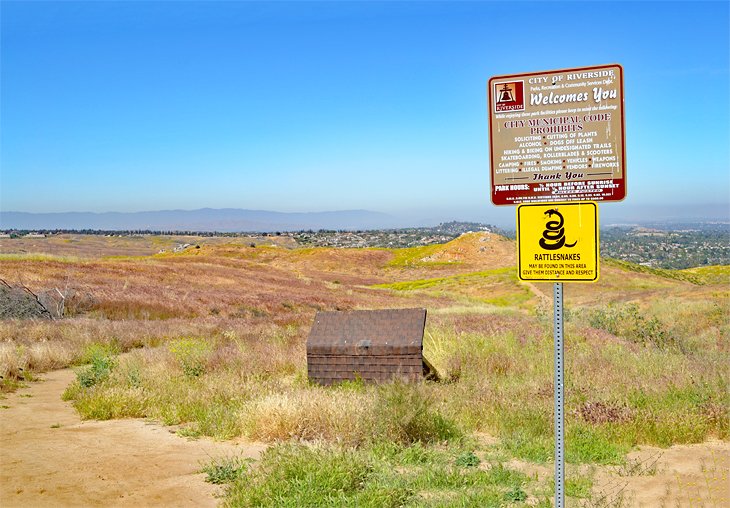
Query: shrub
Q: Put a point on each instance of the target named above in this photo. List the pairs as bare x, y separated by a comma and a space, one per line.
467, 459
101, 364
312, 414
627, 321
404, 413
96, 350
225, 470
294, 475
191, 354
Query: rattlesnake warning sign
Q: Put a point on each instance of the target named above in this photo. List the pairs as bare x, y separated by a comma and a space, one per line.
558, 242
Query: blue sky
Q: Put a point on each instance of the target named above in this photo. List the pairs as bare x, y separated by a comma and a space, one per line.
312, 106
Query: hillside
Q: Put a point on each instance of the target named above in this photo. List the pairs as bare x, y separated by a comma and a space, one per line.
204, 219
209, 340
222, 275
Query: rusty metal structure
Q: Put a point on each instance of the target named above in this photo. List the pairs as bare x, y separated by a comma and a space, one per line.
372, 345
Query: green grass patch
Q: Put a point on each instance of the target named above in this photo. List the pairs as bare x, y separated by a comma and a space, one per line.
191, 354
412, 285
579, 486
225, 469
290, 475
681, 275
717, 274
414, 256
295, 475
511, 300
39, 256
501, 284
461, 279
585, 443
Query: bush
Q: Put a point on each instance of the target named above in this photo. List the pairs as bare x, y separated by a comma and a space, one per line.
294, 475
314, 414
225, 470
102, 362
405, 414
191, 354
467, 459
627, 321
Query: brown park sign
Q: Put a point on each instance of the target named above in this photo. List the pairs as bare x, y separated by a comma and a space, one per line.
558, 136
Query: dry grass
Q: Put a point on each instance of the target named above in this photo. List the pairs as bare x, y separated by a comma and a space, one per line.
252, 308
96, 246
315, 414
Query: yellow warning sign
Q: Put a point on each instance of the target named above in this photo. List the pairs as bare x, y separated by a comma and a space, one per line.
558, 242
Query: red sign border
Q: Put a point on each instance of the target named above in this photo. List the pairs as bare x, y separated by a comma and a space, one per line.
573, 197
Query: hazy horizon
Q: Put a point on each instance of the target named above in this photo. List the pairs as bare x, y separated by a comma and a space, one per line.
231, 220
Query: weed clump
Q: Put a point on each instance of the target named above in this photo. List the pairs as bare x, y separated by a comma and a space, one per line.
382, 475
191, 355
225, 470
101, 362
628, 322
294, 475
601, 412
405, 414
515, 495
467, 459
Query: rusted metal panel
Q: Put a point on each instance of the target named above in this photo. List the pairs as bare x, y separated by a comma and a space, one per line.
371, 345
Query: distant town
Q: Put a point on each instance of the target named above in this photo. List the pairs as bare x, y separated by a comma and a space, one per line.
658, 245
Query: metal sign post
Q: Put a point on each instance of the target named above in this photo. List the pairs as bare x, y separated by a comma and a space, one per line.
559, 396
558, 242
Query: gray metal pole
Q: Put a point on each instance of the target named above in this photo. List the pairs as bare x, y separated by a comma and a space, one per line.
558, 385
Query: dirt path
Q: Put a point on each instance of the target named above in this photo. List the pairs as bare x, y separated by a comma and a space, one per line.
49, 457
535, 291
683, 475
691, 476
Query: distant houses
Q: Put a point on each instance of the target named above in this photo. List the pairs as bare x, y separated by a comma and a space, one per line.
19, 234
32, 234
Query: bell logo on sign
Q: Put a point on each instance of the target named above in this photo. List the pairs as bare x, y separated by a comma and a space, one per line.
509, 96
558, 242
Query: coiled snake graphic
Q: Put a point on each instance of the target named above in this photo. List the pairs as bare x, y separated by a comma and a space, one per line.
554, 233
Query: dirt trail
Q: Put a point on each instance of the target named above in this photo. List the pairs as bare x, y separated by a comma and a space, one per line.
49, 457
696, 475
533, 288
683, 475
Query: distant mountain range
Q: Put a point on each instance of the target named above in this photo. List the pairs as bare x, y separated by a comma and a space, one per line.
205, 219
